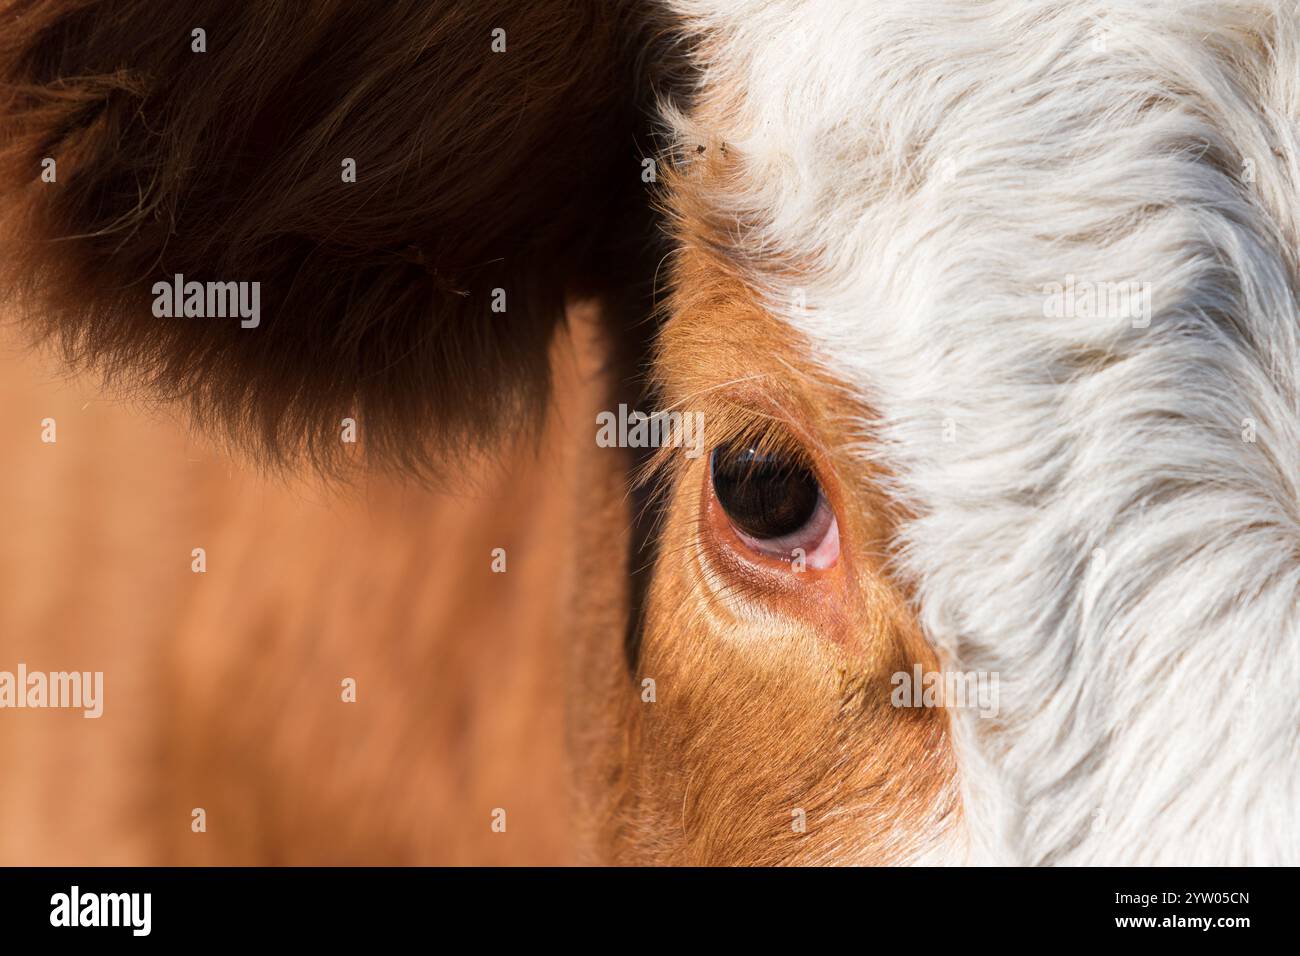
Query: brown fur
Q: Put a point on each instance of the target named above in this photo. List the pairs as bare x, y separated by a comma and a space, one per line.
772, 689
222, 689
476, 171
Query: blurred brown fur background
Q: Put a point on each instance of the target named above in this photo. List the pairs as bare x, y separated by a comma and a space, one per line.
222, 689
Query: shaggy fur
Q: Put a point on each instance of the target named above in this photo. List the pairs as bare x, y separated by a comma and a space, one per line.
1096, 531
475, 171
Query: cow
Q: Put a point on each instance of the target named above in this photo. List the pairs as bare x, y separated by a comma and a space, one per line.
988, 551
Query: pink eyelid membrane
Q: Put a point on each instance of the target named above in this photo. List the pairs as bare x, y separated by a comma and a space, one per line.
818, 555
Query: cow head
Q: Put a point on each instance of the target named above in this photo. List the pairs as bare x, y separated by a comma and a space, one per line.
988, 311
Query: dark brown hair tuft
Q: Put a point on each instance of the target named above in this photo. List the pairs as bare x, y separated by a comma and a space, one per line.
476, 170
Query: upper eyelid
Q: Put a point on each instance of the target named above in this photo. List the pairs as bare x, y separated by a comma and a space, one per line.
741, 414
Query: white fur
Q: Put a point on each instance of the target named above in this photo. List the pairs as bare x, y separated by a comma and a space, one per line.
939, 164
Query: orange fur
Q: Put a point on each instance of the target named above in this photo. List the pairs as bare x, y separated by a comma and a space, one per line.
222, 690
772, 690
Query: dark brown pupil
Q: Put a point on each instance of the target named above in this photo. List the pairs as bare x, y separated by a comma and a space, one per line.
764, 496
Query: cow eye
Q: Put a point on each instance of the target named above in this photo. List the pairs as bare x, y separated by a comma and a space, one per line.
775, 504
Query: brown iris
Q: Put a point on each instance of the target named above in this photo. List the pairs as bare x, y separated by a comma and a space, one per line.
765, 496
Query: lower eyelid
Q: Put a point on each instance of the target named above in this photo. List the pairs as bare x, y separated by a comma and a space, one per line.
827, 551
818, 554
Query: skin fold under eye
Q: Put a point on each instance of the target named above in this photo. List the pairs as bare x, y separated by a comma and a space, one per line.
775, 505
